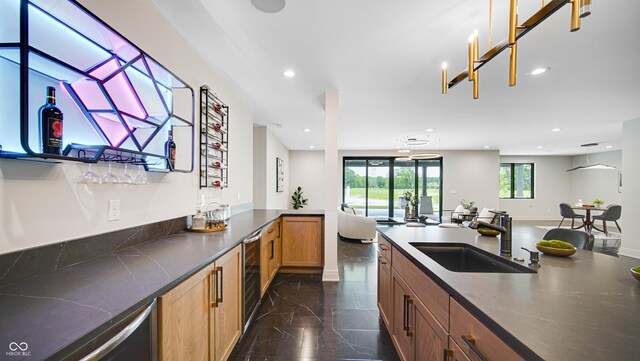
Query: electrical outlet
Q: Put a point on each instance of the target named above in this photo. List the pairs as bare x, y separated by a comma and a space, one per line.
453, 191
114, 210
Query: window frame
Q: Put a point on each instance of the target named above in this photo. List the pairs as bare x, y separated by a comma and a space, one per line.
512, 166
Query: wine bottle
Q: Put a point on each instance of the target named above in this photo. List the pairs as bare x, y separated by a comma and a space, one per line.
218, 146
170, 150
217, 183
218, 165
51, 124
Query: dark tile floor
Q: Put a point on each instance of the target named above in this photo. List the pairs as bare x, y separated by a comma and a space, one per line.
303, 318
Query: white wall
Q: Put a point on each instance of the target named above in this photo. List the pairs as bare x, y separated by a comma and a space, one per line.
307, 171
472, 175
631, 191
596, 183
552, 185
267, 147
43, 203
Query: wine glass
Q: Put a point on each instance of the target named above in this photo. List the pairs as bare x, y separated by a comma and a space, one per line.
110, 177
126, 178
140, 179
90, 177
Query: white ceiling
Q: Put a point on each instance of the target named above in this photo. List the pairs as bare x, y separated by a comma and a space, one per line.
384, 58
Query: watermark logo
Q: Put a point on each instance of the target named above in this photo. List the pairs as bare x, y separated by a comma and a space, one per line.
18, 349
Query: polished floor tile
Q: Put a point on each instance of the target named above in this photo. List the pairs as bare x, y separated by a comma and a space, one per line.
303, 318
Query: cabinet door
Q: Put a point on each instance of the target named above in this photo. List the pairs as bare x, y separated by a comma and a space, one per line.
401, 332
302, 241
431, 338
184, 318
454, 353
384, 290
265, 264
227, 325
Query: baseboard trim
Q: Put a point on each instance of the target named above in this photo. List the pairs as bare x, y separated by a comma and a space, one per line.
634, 253
330, 276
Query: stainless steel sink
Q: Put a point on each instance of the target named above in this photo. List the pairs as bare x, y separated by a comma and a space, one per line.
461, 257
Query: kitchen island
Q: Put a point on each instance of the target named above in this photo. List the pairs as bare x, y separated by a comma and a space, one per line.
584, 307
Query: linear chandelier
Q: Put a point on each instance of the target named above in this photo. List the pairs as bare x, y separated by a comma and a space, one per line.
579, 9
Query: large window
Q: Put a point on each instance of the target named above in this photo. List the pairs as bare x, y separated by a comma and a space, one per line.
516, 180
376, 185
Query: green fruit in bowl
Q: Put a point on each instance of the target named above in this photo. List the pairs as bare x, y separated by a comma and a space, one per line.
635, 272
636, 269
554, 243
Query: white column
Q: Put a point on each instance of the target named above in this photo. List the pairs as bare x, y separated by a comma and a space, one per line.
631, 192
331, 187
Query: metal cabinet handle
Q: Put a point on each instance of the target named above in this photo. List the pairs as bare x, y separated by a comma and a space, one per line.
448, 353
405, 317
272, 249
409, 304
116, 340
213, 287
383, 247
219, 282
471, 342
382, 260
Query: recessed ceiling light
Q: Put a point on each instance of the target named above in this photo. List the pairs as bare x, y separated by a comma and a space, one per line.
311, 147
556, 129
486, 147
609, 146
306, 130
539, 147
289, 73
541, 70
404, 151
430, 130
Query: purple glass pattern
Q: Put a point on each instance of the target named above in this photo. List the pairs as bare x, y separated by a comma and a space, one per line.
115, 103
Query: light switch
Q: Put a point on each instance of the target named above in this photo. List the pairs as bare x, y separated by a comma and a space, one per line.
114, 210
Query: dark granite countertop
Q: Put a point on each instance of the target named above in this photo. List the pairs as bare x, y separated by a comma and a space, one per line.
59, 311
584, 307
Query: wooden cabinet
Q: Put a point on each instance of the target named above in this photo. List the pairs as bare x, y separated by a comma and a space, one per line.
416, 332
302, 241
184, 316
401, 332
384, 290
227, 314
432, 339
201, 318
480, 340
270, 245
454, 353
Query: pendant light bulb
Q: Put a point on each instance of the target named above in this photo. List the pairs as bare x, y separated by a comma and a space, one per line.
585, 8
444, 65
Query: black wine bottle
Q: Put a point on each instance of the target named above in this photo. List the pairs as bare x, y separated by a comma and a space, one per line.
170, 150
51, 124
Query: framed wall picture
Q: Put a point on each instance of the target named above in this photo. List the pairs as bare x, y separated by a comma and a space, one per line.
619, 182
279, 175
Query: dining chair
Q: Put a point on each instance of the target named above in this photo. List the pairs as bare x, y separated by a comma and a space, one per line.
611, 214
567, 212
579, 239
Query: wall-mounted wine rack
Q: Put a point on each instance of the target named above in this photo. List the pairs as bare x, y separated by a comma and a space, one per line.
117, 100
214, 140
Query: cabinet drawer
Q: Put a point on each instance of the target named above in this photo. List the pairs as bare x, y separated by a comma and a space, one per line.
384, 247
272, 230
485, 342
435, 298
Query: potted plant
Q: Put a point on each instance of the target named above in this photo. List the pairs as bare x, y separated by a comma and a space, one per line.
298, 201
598, 202
467, 205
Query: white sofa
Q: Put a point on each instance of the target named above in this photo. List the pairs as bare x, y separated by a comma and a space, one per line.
355, 226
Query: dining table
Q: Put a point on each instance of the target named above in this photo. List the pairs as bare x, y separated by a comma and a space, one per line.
588, 222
